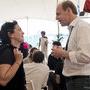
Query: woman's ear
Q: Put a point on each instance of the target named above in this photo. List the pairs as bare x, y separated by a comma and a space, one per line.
68, 9
10, 35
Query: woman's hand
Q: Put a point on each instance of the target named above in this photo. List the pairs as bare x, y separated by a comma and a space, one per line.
18, 56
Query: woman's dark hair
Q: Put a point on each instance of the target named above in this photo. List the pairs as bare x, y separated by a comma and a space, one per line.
6, 28
38, 56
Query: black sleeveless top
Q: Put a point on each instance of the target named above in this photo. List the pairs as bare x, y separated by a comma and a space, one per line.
18, 81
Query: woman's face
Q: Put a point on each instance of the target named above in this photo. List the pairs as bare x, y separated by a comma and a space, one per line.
17, 35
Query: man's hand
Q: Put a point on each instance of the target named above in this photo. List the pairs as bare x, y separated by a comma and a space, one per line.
59, 52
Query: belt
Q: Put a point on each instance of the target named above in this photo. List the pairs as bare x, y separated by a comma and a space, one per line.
76, 77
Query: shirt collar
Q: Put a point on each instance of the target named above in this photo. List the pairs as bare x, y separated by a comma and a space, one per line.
73, 23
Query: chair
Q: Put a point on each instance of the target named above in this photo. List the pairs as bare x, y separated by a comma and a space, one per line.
45, 88
30, 85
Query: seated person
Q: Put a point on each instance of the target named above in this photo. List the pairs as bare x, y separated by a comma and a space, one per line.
31, 53
25, 49
37, 71
56, 65
29, 57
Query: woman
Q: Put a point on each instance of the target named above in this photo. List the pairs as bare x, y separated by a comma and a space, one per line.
12, 75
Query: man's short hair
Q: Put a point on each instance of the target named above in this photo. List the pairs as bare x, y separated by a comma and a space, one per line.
42, 32
38, 56
56, 43
69, 4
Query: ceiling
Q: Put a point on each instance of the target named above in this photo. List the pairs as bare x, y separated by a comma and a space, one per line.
39, 9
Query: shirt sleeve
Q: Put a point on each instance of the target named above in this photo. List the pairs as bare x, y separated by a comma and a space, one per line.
82, 53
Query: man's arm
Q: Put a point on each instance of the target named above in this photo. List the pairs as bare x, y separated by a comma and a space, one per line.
39, 42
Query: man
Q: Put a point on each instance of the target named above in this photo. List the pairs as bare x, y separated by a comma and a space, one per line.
43, 43
77, 56
56, 64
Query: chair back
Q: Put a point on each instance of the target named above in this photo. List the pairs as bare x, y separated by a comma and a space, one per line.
30, 85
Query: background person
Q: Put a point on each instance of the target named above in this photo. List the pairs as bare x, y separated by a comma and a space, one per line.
37, 71
56, 64
43, 44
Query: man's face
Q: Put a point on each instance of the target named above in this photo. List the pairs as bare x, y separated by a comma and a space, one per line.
54, 49
62, 16
42, 34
